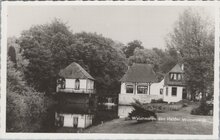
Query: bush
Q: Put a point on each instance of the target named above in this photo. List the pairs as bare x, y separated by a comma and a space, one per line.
203, 109
158, 101
141, 113
185, 105
25, 106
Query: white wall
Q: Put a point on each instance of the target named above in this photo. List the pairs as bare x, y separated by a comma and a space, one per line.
169, 97
90, 84
84, 85
70, 83
155, 88
123, 88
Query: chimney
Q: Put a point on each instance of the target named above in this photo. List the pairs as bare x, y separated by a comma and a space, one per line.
182, 67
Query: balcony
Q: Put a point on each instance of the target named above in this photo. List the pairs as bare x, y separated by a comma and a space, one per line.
73, 90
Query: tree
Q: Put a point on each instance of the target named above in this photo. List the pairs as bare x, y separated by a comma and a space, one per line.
25, 106
12, 54
44, 46
51, 47
147, 56
131, 46
193, 39
101, 59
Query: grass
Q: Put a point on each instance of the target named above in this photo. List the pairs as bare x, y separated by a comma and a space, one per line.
174, 122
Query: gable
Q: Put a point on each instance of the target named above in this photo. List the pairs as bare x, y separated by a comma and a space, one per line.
175, 70
75, 71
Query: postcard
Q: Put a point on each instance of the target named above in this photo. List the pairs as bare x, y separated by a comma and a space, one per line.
110, 70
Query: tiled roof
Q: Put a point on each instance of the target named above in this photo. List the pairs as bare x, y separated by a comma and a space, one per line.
75, 71
141, 73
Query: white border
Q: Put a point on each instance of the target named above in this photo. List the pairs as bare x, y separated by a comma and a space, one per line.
101, 135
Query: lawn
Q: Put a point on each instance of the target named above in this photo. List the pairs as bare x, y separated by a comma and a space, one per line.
171, 122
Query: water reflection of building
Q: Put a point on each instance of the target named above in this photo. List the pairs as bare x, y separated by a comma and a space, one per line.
74, 115
123, 111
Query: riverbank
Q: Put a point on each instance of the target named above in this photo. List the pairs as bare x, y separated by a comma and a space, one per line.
172, 122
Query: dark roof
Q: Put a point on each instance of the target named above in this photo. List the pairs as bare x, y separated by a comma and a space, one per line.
75, 71
176, 69
141, 73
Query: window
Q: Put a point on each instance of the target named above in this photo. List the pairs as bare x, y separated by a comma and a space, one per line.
142, 89
179, 76
77, 84
171, 76
62, 83
166, 91
174, 90
161, 91
129, 88
175, 76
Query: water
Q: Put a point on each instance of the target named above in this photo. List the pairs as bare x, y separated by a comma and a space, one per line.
74, 118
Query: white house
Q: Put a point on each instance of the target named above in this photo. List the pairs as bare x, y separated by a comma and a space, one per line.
139, 83
174, 86
74, 79
77, 116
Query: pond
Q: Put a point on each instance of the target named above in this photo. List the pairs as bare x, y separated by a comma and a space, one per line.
74, 118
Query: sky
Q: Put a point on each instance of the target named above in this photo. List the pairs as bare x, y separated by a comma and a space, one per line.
149, 24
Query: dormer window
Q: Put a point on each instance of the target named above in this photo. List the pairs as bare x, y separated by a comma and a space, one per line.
175, 76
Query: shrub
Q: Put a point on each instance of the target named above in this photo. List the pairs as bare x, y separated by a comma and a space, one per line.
203, 109
157, 101
25, 106
184, 105
140, 113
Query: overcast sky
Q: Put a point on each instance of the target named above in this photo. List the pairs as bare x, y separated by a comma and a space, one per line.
149, 24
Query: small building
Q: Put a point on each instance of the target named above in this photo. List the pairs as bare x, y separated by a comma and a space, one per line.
74, 79
137, 84
174, 86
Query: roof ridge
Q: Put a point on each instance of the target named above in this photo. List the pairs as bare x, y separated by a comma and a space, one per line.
81, 69
74, 70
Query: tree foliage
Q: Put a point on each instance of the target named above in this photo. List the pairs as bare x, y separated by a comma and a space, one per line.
51, 47
193, 39
131, 46
25, 106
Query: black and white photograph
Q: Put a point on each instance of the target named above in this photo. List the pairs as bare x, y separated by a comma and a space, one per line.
110, 69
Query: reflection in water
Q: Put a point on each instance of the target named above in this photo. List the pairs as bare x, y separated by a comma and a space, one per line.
123, 111
74, 115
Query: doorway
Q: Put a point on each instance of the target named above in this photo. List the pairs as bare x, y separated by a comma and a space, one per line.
184, 94
75, 122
